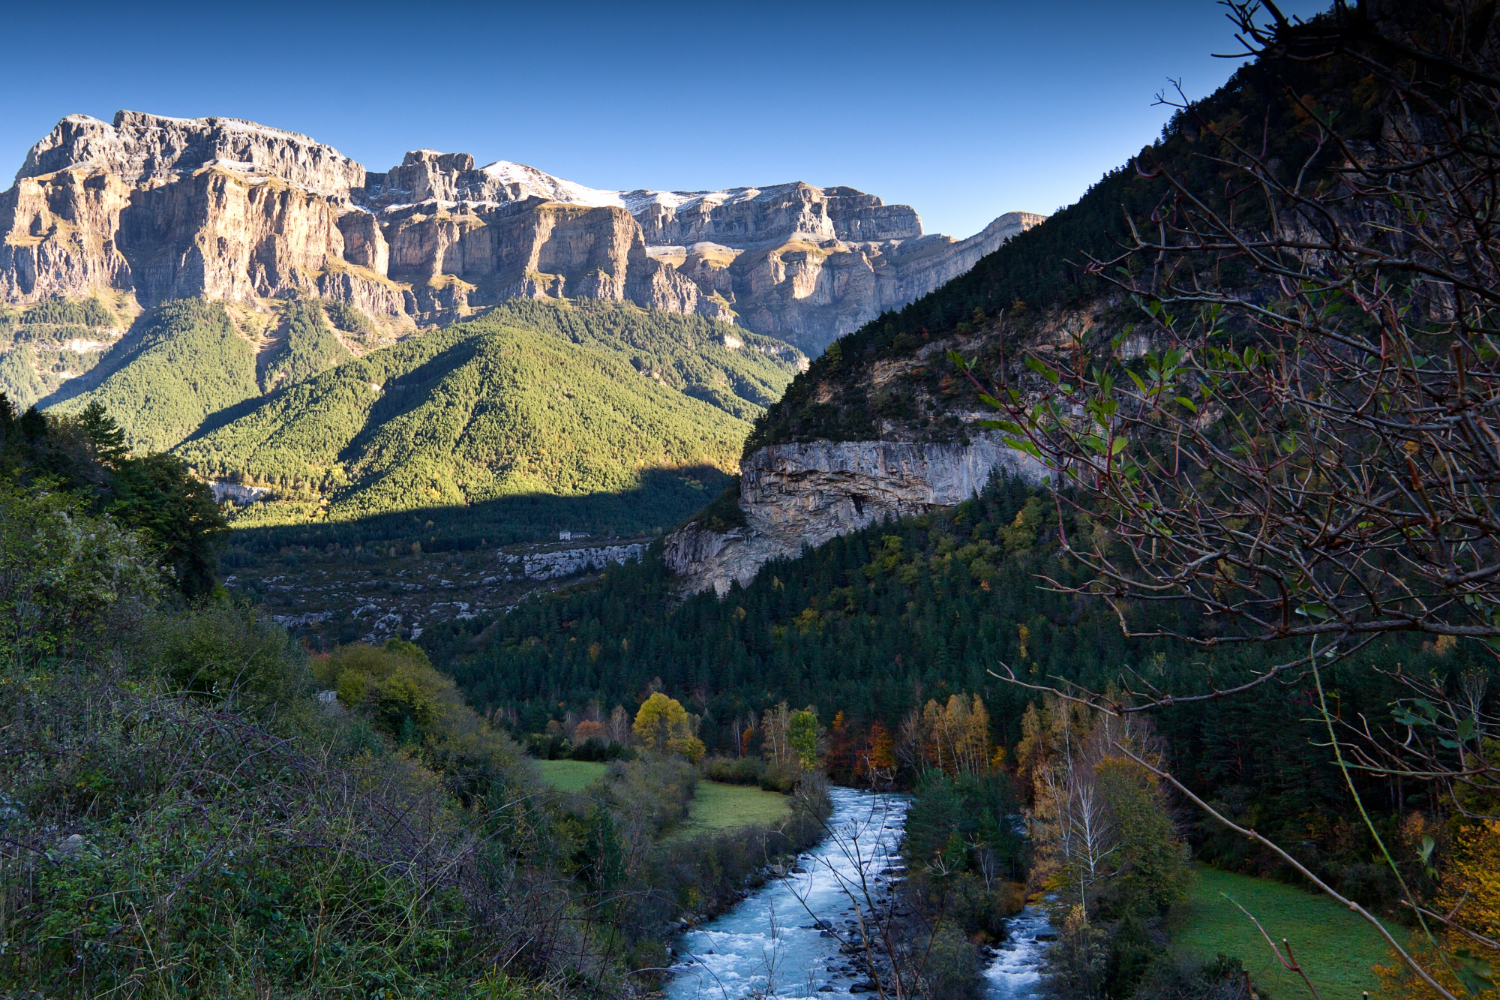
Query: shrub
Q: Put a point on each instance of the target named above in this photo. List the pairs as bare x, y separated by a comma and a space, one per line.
390, 685
63, 574
780, 777
396, 689
1222, 979
735, 770
229, 653
598, 749
652, 794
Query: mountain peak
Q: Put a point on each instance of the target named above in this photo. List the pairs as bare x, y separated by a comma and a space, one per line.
141, 148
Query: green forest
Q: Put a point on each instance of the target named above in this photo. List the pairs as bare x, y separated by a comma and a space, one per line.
485, 409
45, 345
873, 625
534, 417
1205, 703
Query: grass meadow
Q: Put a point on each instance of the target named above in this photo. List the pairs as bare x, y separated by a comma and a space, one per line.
716, 806
1335, 946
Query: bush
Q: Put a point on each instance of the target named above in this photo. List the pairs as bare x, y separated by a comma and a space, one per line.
735, 770
63, 575
950, 968
548, 746
229, 653
394, 686
781, 778
596, 749
1222, 979
397, 691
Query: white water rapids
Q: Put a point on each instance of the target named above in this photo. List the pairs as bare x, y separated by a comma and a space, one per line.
780, 940
1015, 971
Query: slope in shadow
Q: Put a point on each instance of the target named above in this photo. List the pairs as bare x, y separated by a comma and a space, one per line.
664, 499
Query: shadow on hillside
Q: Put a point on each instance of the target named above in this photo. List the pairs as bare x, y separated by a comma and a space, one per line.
664, 499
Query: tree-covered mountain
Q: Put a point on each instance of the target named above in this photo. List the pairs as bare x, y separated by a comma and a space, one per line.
188, 359
178, 364
549, 399
1042, 287
44, 346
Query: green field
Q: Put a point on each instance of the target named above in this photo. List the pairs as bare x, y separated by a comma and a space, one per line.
715, 806
1335, 946
718, 806
570, 775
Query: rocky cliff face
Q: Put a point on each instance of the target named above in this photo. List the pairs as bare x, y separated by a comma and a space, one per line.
169, 207
795, 495
223, 235
141, 150
59, 235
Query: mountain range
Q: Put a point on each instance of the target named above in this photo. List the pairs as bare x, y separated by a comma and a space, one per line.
162, 208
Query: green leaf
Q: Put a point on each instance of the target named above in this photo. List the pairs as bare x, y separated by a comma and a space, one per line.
1187, 403
1118, 445
1042, 370
1405, 718
1319, 611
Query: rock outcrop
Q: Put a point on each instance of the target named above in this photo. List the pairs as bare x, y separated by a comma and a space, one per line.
796, 495
555, 564
58, 235
220, 234
141, 150
170, 207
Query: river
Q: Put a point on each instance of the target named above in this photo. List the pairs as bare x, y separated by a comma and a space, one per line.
781, 940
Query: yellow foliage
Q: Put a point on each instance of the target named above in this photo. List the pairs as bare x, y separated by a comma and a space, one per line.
1469, 892
390, 684
662, 725
956, 738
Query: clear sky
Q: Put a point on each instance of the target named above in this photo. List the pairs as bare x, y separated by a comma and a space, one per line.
962, 110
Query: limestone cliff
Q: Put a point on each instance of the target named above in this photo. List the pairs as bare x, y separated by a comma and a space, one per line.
803, 494
223, 235
141, 149
807, 292
58, 235
169, 207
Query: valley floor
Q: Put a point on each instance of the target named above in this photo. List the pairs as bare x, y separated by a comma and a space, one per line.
340, 596
1336, 947
716, 805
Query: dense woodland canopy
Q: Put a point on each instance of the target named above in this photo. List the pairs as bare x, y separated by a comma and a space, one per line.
876, 624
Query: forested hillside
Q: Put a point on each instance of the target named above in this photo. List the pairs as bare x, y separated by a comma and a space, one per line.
186, 360
531, 399
45, 345
1042, 286
876, 624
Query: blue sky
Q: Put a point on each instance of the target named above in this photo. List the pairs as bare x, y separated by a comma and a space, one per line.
962, 110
